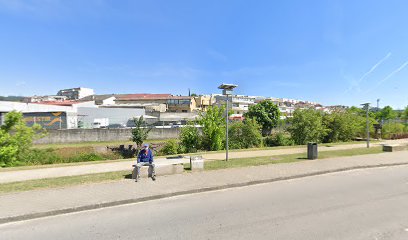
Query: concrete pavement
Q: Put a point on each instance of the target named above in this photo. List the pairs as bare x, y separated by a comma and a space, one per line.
40, 203
358, 205
89, 168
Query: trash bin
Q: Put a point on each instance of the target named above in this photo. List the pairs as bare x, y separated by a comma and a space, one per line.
312, 151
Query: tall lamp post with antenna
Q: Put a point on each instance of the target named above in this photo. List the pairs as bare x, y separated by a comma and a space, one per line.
227, 91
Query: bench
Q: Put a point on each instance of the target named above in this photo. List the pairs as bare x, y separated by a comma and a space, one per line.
394, 148
175, 167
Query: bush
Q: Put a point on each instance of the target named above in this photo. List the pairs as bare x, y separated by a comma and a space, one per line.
244, 134
278, 139
189, 139
213, 128
170, 148
393, 128
53, 156
342, 126
16, 139
307, 126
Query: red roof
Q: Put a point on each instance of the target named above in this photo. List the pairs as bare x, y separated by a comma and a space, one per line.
59, 103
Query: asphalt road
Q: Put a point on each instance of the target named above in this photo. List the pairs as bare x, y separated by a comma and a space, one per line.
362, 204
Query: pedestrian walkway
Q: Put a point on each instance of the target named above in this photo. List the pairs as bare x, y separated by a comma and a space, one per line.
40, 203
89, 168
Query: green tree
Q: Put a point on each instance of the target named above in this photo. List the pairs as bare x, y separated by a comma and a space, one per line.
244, 134
387, 113
16, 138
266, 113
405, 114
190, 138
213, 128
342, 126
140, 133
307, 126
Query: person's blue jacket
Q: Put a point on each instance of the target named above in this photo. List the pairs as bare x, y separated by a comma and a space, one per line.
144, 156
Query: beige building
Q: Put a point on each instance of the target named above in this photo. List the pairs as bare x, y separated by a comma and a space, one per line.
204, 102
159, 102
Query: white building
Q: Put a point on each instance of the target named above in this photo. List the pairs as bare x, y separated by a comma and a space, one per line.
239, 104
76, 93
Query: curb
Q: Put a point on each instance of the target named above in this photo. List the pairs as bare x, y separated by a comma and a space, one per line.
167, 195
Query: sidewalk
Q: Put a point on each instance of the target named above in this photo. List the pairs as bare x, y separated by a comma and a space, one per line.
52, 172
40, 203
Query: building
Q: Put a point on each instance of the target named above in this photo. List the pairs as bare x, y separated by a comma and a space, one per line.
114, 116
181, 104
47, 115
239, 104
106, 99
49, 98
76, 93
158, 102
203, 102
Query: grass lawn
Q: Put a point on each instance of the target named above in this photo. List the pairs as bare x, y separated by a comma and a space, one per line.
209, 165
63, 181
245, 162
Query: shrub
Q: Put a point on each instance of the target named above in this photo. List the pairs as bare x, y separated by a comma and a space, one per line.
278, 139
16, 139
342, 126
170, 148
392, 128
307, 126
189, 139
213, 128
244, 134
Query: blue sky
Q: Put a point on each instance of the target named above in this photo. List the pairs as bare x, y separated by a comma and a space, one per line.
334, 52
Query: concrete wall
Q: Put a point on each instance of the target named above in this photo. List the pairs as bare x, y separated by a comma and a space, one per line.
103, 135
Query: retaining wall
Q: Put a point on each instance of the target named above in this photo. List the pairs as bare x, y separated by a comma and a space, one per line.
102, 135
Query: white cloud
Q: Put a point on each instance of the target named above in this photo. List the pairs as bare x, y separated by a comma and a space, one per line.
356, 84
400, 68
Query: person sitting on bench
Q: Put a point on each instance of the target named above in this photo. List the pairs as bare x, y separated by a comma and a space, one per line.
145, 158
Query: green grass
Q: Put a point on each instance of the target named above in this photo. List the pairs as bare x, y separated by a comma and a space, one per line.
245, 162
209, 165
62, 181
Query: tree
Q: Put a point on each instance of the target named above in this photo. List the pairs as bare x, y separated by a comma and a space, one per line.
307, 126
190, 138
342, 126
16, 138
405, 114
387, 113
139, 133
266, 113
213, 128
244, 134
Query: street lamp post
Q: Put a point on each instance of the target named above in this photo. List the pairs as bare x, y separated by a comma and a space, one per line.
227, 91
367, 106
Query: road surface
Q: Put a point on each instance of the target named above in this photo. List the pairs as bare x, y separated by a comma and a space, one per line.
361, 204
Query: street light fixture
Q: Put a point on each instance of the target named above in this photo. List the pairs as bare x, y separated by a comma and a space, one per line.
227, 90
367, 107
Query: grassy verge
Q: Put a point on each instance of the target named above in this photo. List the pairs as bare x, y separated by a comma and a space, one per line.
63, 181
210, 165
246, 162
